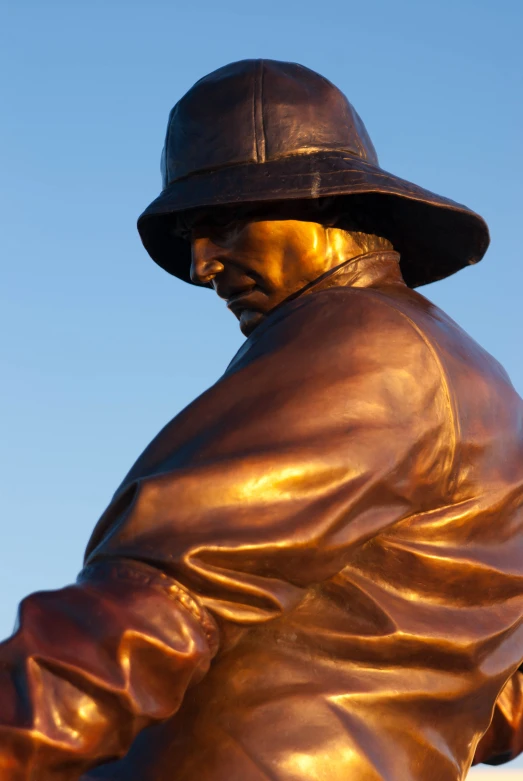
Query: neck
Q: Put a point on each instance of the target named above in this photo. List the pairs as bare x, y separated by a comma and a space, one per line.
343, 246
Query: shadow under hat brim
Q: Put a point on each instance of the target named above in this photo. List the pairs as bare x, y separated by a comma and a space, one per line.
435, 236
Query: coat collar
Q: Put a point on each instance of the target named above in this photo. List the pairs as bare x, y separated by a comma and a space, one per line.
369, 270
373, 269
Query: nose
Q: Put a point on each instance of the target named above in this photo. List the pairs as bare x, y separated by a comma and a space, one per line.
205, 265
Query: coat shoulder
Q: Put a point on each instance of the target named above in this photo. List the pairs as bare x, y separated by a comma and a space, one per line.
343, 330
376, 318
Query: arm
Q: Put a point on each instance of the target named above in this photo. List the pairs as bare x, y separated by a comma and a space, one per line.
331, 427
318, 438
94, 663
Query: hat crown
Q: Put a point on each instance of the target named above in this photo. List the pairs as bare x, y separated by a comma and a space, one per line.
257, 111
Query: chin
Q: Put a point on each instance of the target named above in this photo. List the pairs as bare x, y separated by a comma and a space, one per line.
249, 320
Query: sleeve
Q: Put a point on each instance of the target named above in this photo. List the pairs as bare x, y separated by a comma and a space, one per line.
503, 740
333, 425
92, 664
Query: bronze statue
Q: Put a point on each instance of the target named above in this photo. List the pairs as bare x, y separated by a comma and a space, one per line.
315, 571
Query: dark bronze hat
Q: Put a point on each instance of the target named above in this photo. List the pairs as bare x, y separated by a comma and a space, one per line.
260, 131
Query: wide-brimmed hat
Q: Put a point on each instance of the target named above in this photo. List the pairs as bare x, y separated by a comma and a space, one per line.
260, 131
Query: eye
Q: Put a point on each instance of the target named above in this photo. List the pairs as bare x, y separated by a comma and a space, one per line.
221, 229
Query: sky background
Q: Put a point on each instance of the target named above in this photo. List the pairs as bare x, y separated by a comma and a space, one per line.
100, 348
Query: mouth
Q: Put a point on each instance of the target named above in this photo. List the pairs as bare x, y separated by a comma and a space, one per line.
240, 298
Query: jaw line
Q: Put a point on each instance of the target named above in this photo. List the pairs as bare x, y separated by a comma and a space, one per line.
259, 318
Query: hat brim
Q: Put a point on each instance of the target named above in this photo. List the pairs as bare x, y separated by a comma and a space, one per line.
435, 236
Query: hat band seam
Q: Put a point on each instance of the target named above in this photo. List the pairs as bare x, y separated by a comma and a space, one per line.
343, 153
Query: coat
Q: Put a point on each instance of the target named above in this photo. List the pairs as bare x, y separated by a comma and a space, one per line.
315, 571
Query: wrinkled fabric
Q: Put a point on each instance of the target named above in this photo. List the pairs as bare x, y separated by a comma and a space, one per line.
337, 521
94, 663
504, 738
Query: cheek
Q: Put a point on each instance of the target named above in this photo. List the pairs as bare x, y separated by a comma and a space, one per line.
262, 254
303, 259
283, 255
297, 268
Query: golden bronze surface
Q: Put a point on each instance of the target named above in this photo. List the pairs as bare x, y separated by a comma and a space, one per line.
283, 255
315, 570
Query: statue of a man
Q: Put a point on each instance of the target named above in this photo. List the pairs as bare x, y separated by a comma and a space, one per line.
315, 571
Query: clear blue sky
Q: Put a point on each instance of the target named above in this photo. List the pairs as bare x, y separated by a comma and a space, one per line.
100, 347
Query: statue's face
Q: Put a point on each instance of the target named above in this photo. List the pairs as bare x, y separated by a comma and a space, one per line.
255, 264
